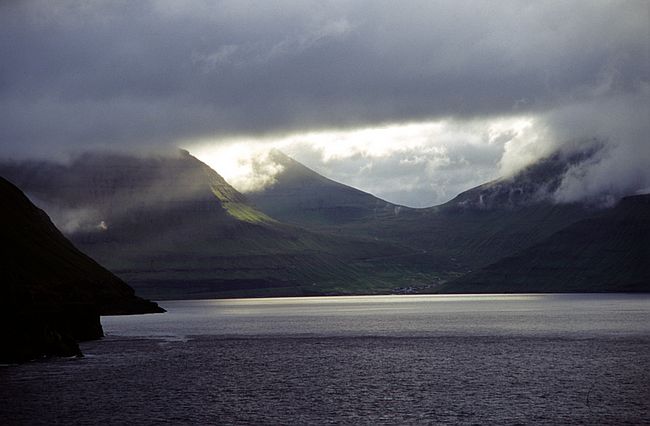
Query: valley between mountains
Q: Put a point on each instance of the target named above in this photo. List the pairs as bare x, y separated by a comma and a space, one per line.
172, 228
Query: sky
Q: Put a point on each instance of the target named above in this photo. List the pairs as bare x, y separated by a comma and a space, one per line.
413, 101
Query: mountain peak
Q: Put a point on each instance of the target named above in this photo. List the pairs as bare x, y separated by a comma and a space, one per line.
97, 190
536, 183
302, 196
294, 171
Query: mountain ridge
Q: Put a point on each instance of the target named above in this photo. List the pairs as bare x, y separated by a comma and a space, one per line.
301, 196
536, 183
181, 231
173, 228
472, 230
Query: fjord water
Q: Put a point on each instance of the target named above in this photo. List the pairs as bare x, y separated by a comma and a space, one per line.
468, 359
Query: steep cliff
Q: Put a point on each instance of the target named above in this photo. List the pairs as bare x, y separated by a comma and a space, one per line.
51, 293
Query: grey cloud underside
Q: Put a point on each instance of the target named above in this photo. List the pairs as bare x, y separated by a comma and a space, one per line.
80, 74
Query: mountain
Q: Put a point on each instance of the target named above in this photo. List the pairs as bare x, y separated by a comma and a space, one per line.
173, 228
499, 218
52, 294
474, 229
300, 195
303, 197
607, 252
534, 185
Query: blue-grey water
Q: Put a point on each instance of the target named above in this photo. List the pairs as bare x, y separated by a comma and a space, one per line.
494, 359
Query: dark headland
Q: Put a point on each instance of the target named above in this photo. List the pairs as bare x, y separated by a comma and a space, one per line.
52, 294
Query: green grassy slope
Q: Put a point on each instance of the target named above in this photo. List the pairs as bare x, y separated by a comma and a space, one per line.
172, 227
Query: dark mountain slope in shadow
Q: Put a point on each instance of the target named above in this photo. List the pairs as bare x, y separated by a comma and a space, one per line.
173, 228
607, 252
52, 294
301, 196
476, 228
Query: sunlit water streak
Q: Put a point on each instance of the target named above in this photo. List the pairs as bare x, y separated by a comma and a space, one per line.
383, 359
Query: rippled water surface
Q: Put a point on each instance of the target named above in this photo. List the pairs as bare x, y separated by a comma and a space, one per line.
545, 359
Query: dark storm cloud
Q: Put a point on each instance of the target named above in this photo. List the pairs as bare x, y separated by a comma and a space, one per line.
82, 74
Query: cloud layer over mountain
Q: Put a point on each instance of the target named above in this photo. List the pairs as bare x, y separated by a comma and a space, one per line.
87, 74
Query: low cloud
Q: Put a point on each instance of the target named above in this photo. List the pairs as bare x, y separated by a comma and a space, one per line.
417, 164
621, 168
149, 75
71, 220
248, 166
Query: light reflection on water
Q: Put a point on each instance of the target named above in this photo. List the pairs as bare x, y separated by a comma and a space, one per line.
421, 315
476, 359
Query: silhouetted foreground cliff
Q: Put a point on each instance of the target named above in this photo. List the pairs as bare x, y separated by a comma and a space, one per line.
51, 293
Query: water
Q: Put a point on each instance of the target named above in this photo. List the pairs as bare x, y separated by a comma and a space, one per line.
510, 359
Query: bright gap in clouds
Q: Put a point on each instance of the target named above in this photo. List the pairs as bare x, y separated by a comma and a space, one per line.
415, 164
